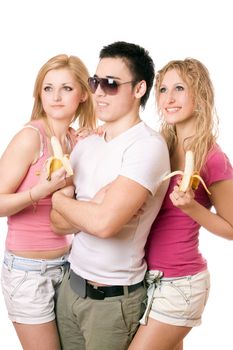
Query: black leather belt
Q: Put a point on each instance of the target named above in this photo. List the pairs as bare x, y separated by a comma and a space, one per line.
85, 289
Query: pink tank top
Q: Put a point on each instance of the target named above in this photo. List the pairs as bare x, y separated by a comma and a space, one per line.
173, 243
30, 230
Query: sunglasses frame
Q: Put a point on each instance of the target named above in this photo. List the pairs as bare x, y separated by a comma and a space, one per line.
108, 85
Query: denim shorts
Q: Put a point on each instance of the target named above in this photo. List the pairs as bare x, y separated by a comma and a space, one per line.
29, 287
180, 301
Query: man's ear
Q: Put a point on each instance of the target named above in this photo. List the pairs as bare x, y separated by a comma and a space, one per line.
140, 89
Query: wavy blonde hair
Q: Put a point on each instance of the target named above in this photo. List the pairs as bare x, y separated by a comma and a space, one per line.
85, 110
196, 76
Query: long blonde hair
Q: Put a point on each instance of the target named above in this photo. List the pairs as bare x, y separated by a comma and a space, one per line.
196, 76
85, 110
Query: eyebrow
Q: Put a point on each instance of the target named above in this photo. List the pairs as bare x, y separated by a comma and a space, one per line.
108, 77
68, 83
179, 83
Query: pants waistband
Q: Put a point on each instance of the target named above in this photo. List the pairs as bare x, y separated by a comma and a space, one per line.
20, 263
84, 289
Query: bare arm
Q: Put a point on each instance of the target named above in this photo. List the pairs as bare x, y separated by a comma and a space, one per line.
122, 200
58, 223
15, 162
219, 223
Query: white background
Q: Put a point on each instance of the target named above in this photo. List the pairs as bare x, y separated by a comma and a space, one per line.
32, 31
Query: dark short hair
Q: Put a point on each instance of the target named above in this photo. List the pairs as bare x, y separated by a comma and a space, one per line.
137, 60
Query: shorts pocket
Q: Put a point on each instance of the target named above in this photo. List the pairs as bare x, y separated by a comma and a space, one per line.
172, 298
183, 288
12, 281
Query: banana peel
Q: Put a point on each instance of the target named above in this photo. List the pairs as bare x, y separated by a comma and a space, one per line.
190, 178
58, 159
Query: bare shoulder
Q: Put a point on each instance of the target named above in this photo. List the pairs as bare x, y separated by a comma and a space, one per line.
27, 137
25, 144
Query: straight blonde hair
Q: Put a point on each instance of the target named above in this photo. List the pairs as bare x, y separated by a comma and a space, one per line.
85, 111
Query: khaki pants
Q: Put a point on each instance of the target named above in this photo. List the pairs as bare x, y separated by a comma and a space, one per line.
108, 324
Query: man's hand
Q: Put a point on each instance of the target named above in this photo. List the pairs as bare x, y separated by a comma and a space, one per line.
58, 223
68, 191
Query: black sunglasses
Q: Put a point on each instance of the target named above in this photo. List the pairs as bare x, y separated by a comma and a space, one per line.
108, 85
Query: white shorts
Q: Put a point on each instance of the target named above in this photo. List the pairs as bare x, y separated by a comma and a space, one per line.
180, 301
29, 287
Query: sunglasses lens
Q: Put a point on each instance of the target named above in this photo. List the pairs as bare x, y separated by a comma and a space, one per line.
109, 86
93, 84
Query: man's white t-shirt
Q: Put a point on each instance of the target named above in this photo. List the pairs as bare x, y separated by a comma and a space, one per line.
140, 154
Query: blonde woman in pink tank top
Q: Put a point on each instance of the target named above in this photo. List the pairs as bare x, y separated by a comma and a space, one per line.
35, 257
178, 276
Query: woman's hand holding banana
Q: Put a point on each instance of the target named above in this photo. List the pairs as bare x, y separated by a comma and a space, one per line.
190, 178
183, 194
56, 173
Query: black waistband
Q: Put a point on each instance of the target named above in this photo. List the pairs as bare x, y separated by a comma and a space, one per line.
84, 289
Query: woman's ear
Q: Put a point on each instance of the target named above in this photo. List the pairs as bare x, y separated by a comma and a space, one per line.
84, 97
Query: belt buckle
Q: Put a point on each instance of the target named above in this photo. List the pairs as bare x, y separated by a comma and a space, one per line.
94, 292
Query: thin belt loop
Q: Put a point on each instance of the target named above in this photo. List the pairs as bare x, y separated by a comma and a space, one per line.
10, 260
126, 291
43, 267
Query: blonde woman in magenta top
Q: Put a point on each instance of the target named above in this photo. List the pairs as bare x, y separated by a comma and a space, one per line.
178, 275
35, 256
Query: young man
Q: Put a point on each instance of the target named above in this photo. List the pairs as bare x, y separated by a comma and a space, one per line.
100, 301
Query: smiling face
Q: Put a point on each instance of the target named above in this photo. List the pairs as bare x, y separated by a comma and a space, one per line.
60, 94
125, 102
174, 99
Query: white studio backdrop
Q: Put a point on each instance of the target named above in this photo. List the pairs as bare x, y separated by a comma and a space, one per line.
32, 31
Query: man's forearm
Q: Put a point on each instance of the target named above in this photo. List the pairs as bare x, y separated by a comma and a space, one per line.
104, 218
77, 215
60, 225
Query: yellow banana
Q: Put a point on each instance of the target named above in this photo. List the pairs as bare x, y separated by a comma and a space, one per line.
58, 159
190, 178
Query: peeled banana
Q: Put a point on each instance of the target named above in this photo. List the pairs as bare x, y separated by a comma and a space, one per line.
190, 178
58, 159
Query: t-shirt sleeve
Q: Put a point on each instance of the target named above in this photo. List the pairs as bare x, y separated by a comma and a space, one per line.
217, 168
146, 161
